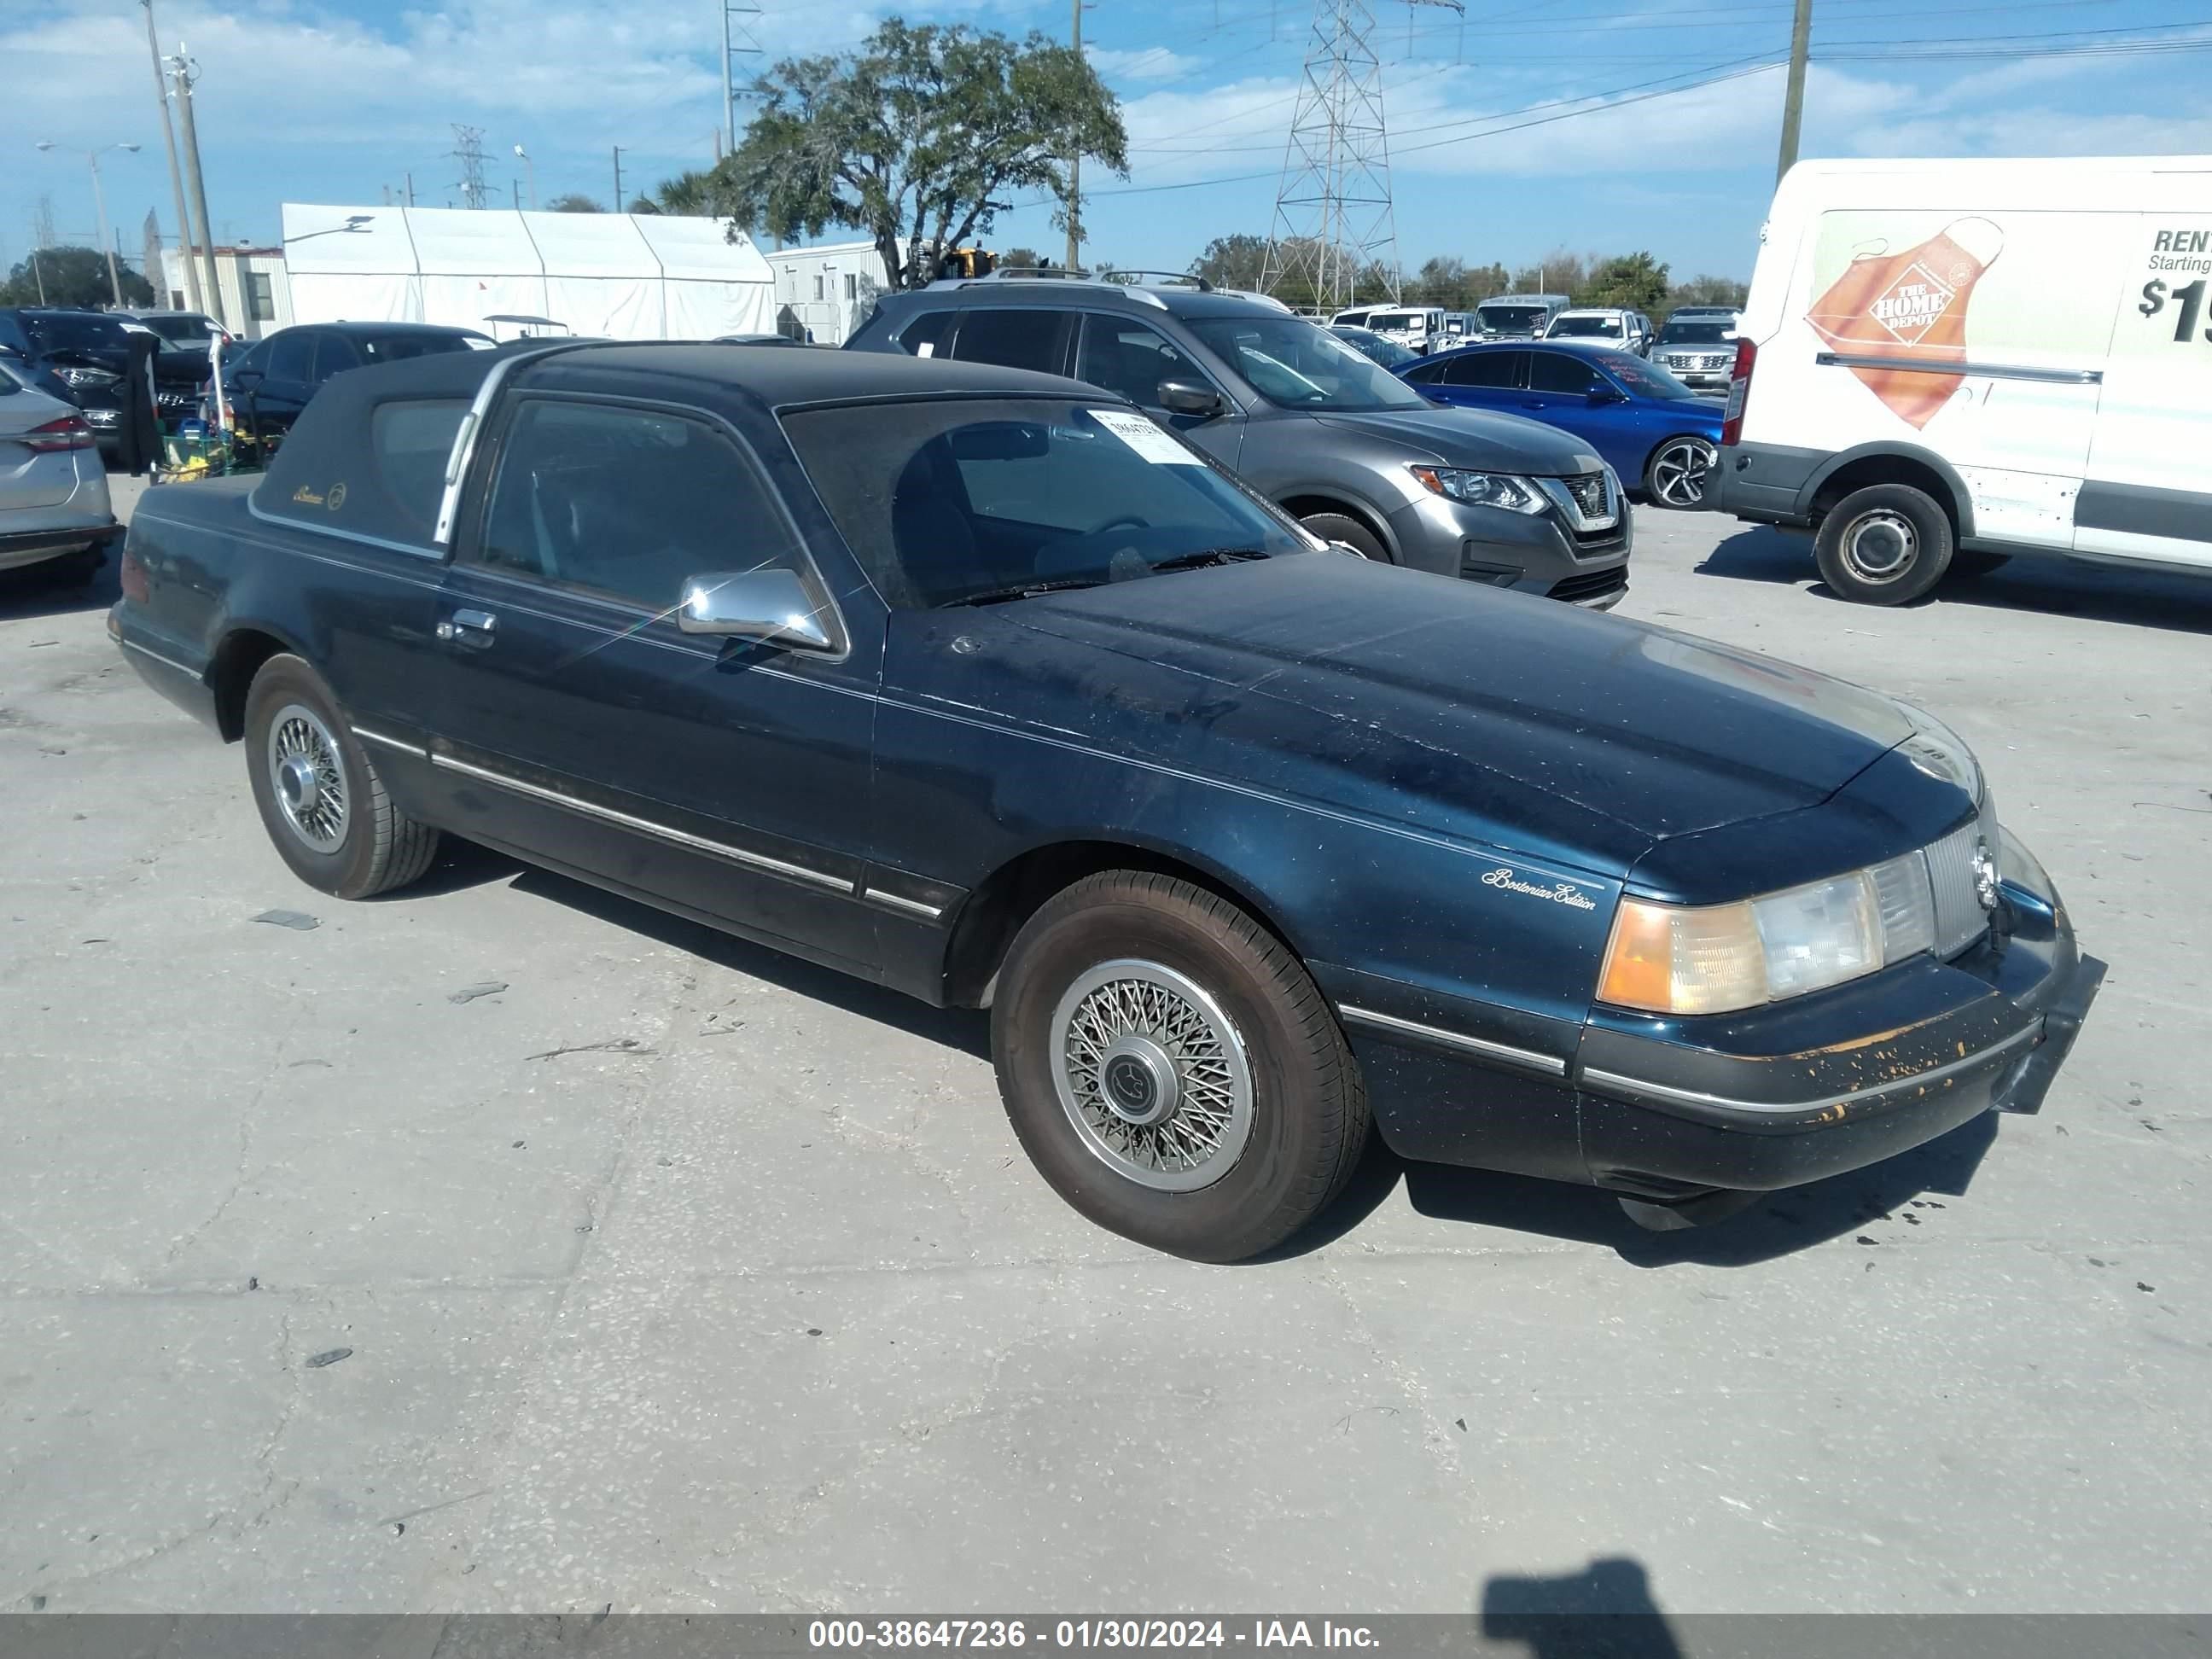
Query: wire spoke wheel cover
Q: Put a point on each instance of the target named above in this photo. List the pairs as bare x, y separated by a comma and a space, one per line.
307, 778
1679, 472
1152, 1075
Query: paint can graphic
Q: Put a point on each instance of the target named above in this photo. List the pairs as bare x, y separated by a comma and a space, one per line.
1909, 306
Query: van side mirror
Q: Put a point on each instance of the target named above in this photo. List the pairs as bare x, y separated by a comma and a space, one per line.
1190, 398
772, 605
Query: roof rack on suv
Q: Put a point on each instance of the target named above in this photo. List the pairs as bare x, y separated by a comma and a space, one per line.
1071, 274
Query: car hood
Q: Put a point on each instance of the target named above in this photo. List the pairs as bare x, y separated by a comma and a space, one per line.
1505, 719
1474, 438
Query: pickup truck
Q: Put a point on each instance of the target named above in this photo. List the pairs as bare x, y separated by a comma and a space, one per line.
981, 684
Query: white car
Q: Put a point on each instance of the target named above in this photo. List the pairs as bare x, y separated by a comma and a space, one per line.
1966, 360
1606, 325
54, 506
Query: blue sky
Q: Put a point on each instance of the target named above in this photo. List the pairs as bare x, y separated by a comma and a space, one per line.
1533, 124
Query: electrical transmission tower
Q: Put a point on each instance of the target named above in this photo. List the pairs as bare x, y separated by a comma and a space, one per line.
42, 222
1333, 213
741, 19
468, 150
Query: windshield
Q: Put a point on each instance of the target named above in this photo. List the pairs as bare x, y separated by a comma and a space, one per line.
1646, 380
66, 331
1702, 331
1295, 365
977, 501
1412, 322
1511, 320
1586, 327
1376, 349
179, 328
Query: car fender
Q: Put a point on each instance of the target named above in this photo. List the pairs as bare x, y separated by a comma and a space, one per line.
1961, 498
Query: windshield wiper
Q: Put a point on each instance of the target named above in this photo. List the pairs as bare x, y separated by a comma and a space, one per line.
1024, 591
1210, 556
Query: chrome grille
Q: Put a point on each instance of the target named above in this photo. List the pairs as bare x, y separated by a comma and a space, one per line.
1588, 491
1960, 918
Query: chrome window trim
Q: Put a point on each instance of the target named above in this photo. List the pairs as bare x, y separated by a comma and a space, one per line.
471, 429
1984, 371
1550, 1064
646, 826
1621, 1085
909, 907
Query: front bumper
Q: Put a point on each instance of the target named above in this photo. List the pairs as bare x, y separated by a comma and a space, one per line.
1530, 553
1789, 1094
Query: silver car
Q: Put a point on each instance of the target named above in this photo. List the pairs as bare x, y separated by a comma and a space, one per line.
54, 504
1697, 347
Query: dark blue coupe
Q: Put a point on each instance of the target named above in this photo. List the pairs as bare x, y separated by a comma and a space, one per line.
1653, 431
979, 684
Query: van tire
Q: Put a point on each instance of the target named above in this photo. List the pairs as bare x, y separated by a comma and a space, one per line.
1888, 543
1335, 528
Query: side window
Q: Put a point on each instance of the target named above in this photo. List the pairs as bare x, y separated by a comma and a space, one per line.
254, 356
626, 503
1128, 357
925, 336
412, 441
291, 355
1027, 339
1555, 371
1429, 373
1495, 369
334, 353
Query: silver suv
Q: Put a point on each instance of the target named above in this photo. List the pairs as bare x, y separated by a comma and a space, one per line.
1351, 451
1697, 346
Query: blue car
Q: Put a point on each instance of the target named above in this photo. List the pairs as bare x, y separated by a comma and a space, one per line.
1652, 430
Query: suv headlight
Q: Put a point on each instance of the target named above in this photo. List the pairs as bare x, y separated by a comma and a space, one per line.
1712, 959
88, 376
1505, 489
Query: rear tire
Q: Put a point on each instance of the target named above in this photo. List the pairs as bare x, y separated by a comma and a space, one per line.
1172, 1070
1679, 473
1335, 528
320, 798
1886, 544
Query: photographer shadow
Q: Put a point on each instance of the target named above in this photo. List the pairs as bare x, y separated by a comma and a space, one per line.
1604, 1612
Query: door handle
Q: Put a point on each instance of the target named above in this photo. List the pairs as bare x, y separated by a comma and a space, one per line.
469, 628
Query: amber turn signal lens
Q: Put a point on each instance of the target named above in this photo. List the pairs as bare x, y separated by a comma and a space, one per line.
1639, 965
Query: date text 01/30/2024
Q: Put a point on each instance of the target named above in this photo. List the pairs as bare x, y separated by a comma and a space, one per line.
1012, 1632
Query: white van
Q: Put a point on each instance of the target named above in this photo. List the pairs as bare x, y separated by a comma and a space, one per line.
1976, 359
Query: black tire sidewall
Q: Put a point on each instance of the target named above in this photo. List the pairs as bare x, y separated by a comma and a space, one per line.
1237, 1216
1931, 559
346, 873
1335, 528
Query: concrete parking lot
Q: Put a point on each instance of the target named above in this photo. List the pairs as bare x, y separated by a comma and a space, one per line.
503, 1245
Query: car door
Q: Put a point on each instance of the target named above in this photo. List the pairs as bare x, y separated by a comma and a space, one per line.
1569, 392
287, 372
1130, 357
1481, 379
580, 726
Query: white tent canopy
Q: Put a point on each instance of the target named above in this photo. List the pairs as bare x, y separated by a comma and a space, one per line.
625, 277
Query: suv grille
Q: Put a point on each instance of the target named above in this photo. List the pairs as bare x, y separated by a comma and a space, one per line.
1588, 491
1589, 586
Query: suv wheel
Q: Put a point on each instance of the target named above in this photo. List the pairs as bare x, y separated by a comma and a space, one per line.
1335, 528
1172, 1069
1885, 544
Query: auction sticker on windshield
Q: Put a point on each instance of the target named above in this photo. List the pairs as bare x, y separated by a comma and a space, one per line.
1147, 440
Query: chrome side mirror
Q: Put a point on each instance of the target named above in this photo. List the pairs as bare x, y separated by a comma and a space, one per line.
771, 605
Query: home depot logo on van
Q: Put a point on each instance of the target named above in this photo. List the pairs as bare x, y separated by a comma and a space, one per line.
1913, 304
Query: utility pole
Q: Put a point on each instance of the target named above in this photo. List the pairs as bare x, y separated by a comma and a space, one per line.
176, 177
409, 178
620, 206
1793, 100
99, 206
185, 75
737, 37
1074, 162
531, 164
39, 272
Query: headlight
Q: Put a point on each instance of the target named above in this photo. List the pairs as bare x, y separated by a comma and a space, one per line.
88, 376
1515, 494
1710, 960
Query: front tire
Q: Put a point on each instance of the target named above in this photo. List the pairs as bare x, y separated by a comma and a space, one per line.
320, 798
1171, 1068
1886, 544
1335, 528
1679, 472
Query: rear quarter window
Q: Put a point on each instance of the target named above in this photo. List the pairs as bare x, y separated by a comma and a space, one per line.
388, 488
